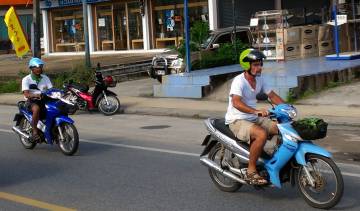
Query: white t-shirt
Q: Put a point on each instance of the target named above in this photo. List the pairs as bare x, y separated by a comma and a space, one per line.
43, 84
241, 87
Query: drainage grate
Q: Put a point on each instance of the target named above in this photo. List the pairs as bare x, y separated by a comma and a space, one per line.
155, 127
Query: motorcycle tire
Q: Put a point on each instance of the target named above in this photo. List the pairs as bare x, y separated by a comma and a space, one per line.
320, 180
70, 144
233, 186
109, 111
25, 126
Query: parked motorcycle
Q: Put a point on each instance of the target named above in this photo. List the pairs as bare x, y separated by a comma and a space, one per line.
54, 126
295, 160
102, 98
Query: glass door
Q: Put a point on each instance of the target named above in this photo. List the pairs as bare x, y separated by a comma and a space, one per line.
104, 27
120, 26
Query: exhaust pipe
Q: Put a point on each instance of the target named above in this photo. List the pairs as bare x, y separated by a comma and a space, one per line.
18, 131
211, 164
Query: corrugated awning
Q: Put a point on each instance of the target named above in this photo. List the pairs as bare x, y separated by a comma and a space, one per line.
15, 2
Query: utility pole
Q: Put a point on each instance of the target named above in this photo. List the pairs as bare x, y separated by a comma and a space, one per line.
86, 35
36, 29
233, 37
187, 36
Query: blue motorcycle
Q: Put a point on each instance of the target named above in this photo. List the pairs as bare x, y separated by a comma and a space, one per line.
294, 160
54, 127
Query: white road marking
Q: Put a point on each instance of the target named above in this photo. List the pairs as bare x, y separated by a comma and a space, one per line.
181, 153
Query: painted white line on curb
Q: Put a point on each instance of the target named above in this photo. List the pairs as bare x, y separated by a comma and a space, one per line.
181, 153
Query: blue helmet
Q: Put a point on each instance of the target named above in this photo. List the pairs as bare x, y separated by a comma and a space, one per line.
36, 62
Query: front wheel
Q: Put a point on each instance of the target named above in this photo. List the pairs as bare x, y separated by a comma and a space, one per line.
69, 142
109, 105
25, 126
222, 182
328, 186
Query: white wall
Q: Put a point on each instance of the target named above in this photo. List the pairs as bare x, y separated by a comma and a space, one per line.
146, 27
213, 14
46, 37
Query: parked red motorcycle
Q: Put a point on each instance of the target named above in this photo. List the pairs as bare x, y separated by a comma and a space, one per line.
100, 98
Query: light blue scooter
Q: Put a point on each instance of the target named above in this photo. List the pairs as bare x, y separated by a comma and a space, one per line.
295, 160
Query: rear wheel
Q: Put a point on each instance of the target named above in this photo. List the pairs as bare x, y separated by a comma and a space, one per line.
109, 105
328, 185
70, 142
223, 183
25, 126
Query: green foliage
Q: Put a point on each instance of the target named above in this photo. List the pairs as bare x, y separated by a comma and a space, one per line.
79, 74
225, 55
199, 32
309, 122
10, 86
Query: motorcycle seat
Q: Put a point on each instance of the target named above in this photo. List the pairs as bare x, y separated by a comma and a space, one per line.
220, 125
80, 87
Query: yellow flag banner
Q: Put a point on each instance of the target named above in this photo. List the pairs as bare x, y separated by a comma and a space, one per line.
16, 33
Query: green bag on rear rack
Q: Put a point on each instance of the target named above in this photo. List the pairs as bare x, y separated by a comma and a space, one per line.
311, 128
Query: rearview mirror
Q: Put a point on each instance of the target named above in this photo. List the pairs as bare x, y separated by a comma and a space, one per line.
215, 46
262, 96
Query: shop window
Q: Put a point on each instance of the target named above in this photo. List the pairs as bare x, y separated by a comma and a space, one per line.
169, 20
135, 26
68, 30
104, 27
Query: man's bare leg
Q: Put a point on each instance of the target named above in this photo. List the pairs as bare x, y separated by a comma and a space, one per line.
35, 118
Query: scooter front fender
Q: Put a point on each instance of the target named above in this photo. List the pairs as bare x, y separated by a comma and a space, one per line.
61, 119
309, 148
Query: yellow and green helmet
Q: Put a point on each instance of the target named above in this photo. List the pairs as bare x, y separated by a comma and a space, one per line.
250, 55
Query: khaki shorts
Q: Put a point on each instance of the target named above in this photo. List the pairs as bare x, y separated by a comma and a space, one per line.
241, 128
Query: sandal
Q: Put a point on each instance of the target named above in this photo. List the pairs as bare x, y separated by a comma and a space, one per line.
35, 138
255, 179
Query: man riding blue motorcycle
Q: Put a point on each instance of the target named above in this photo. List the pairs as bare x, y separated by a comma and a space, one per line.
32, 86
245, 121
234, 153
43, 117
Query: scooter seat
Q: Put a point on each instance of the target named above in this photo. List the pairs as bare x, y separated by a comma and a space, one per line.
80, 87
220, 125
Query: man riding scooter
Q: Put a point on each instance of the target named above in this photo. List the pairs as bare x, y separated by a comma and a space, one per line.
245, 121
32, 86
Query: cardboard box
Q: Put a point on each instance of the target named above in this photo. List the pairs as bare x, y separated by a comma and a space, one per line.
288, 36
326, 45
328, 52
309, 33
288, 52
325, 32
309, 49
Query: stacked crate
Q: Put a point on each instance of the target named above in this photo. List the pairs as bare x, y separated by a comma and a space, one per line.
309, 41
288, 43
325, 39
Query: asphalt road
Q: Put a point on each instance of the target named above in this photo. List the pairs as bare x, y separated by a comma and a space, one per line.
131, 162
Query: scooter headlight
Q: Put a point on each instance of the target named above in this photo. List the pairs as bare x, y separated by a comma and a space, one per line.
290, 111
55, 95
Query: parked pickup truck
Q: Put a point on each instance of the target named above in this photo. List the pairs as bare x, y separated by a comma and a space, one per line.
170, 63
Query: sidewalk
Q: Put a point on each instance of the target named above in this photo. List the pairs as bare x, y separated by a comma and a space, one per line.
334, 114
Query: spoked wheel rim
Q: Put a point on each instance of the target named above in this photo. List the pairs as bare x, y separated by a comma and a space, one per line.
69, 144
111, 107
25, 126
219, 178
326, 183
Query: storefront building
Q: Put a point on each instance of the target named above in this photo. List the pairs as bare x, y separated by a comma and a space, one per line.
244, 10
117, 24
24, 10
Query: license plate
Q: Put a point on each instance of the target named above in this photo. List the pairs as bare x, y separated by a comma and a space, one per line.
161, 72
